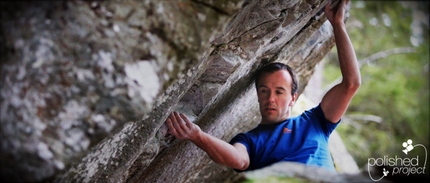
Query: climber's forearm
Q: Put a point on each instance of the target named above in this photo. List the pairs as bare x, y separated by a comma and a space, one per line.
222, 152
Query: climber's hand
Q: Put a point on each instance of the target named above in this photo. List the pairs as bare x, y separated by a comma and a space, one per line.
181, 127
336, 14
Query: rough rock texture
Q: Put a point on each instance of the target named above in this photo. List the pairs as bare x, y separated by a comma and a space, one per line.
313, 174
87, 85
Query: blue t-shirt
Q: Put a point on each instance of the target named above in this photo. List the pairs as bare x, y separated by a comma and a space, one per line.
302, 139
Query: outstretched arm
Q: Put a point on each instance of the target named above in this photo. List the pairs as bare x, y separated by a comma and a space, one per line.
336, 100
234, 156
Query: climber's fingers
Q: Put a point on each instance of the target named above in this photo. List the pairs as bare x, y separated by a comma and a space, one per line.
172, 130
188, 124
179, 126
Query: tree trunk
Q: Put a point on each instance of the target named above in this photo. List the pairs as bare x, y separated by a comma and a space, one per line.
86, 86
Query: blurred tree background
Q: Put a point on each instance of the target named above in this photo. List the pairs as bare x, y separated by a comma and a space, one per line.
391, 39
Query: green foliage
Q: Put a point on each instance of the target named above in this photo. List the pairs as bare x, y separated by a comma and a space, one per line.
394, 87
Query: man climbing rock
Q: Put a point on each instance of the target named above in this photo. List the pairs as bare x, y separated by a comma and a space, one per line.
280, 137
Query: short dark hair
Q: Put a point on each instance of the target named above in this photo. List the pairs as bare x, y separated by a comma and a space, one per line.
276, 66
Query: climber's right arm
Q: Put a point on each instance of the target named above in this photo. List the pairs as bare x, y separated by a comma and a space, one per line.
234, 156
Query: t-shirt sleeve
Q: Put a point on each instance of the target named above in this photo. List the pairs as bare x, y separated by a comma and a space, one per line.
241, 138
326, 125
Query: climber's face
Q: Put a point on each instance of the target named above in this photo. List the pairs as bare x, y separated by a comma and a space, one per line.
274, 96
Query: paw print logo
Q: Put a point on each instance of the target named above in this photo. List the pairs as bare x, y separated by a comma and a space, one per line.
408, 146
385, 172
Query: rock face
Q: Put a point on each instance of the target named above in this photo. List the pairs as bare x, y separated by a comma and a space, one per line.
86, 86
311, 174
